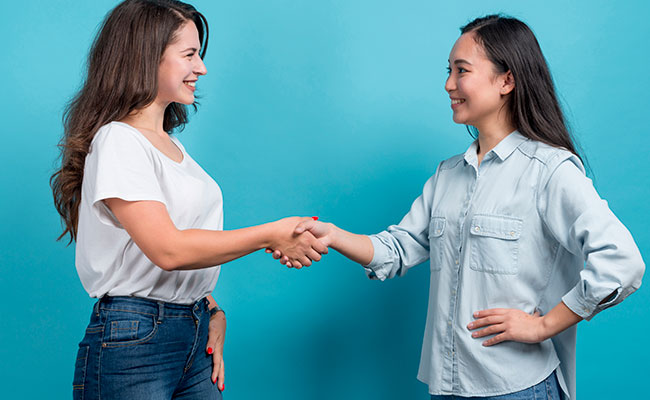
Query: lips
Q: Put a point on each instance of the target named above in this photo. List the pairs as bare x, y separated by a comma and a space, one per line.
455, 103
190, 84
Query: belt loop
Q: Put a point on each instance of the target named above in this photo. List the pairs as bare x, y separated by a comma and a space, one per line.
96, 306
161, 311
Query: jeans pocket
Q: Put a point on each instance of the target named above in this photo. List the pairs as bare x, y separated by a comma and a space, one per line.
494, 243
436, 235
79, 379
127, 328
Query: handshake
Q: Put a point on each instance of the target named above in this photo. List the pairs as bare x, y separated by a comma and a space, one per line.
299, 241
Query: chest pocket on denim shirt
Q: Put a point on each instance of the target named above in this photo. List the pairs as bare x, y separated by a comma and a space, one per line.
494, 243
436, 234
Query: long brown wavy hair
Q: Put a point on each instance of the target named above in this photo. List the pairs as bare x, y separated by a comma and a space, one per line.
122, 76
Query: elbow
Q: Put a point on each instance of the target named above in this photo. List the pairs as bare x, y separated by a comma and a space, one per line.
639, 271
168, 261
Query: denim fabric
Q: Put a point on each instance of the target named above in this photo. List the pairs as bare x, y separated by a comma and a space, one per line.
143, 349
548, 389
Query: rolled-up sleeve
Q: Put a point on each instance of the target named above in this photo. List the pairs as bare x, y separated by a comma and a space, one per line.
584, 225
405, 245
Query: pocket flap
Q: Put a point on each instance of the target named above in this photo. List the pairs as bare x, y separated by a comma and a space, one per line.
436, 226
496, 226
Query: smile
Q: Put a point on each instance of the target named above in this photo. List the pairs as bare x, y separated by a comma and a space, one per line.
457, 101
191, 84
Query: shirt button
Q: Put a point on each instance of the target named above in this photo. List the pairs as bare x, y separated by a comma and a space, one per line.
512, 233
437, 231
476, 229
457, 262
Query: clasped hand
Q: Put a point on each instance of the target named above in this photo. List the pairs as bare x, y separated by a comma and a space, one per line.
312, 234
298, 248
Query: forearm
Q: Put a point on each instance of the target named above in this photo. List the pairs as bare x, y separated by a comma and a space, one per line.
557, 320
357, 248
198, 248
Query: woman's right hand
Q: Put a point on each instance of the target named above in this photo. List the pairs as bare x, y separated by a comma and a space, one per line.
298, 248
322, 231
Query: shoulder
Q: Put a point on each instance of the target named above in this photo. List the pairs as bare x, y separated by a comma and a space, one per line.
451, 162
118, 136
549, 157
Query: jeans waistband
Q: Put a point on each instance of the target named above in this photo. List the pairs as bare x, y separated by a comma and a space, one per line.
154, 307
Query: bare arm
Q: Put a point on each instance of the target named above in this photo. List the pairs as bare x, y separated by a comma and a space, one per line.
151, 228
357, 248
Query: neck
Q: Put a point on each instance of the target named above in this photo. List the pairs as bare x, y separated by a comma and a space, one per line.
489, 135
150, 118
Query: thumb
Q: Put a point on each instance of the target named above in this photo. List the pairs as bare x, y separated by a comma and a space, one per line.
304, 226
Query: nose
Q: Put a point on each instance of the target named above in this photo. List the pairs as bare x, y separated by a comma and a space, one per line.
199, 67
450, 84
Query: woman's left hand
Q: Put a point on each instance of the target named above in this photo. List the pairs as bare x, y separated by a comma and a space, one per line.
216, 336
508, 324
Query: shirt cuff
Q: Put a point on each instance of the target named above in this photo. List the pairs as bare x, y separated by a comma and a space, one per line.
377, 267
579, 305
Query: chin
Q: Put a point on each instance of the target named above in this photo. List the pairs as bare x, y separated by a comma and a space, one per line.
459, 120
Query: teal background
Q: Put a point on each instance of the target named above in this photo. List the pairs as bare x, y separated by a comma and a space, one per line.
328, 108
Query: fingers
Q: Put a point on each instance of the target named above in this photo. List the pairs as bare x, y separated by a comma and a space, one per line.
496, 319
497, 339
320, 247
491, 311
490, 330
303, 226
314, 255
221, 379
305, 261
277, 254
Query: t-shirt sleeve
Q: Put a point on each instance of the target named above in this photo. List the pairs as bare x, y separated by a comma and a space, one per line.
120, 165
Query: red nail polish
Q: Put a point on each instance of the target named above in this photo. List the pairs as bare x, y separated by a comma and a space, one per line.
214, 381
314, 218
223, 387
209, 350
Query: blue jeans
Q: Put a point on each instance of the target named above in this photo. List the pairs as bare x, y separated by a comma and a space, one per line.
548, 389
136, 348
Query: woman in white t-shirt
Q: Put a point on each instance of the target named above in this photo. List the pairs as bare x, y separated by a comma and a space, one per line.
147, 220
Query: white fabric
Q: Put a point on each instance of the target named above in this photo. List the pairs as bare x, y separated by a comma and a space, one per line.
123, 164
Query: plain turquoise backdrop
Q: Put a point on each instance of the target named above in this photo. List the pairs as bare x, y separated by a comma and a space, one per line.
328, 108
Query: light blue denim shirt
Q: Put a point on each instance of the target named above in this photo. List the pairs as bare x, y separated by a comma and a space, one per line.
524, 230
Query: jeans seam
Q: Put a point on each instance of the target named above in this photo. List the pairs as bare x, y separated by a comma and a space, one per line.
132, 342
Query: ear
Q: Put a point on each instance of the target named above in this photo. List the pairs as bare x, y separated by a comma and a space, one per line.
508, 83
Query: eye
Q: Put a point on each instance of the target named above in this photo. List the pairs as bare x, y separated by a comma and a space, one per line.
461, 70
190, 55
448, 71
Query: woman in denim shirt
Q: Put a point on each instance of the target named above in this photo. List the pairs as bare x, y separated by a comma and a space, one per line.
521, 247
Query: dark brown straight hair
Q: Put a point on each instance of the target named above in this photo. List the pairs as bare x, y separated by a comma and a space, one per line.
534, 108
122, 76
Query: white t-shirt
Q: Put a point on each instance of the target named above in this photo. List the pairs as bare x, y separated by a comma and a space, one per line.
122, 163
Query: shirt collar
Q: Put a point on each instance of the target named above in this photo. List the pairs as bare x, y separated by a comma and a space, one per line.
502, 150
508, 145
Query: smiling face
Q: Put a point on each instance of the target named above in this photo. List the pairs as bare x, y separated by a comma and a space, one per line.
180, 67
477, 91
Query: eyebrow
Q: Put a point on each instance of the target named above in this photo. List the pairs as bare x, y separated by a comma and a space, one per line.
190, 48
461, 61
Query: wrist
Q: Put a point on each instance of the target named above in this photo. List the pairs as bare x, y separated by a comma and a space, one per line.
335, 236
217, 310
545, 328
